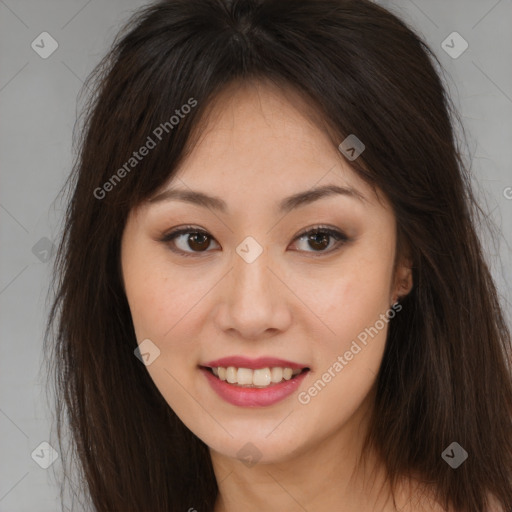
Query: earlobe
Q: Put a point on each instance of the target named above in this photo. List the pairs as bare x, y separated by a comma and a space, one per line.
403, 280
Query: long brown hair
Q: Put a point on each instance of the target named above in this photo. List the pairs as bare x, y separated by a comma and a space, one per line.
446, 373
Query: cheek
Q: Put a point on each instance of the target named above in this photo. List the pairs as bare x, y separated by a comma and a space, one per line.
144, 295
159, 305
349, 359
165, 307
348, 298
351, 305
158, 299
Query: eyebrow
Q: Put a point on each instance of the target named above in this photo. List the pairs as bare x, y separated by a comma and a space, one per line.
286, 205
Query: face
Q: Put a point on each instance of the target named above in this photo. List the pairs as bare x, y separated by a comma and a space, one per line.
247, 276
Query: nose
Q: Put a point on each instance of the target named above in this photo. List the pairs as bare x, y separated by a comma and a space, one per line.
253, 300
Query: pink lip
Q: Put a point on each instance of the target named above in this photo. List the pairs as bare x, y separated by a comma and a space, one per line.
253, 364
252, 397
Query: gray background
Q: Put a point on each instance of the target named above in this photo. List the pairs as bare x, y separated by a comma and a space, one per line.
38, 102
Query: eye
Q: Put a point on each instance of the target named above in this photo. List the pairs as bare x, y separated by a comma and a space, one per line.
321, 237
188, 237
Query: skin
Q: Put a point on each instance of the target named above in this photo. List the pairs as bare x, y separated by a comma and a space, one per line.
293, 302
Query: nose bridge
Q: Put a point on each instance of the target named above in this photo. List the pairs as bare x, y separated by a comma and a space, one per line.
250, 274
250, 301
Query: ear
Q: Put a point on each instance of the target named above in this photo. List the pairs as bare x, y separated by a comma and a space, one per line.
403, 279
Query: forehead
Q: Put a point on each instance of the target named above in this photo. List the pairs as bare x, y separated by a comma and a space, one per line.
258, 135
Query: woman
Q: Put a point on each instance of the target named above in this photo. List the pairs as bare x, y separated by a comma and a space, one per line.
271, 294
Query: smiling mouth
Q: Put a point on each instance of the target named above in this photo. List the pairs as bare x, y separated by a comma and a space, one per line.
258, 378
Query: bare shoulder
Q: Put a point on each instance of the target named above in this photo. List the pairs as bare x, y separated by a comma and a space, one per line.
494, 506
416, 497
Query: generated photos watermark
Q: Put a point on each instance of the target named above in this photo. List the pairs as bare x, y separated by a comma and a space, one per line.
137, 156
305, 397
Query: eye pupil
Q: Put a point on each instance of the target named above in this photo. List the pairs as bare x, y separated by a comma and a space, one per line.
198, 245
324, 242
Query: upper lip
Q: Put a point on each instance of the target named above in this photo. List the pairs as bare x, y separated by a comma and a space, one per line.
260, 362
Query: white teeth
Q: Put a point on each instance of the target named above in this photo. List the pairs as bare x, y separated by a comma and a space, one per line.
261, 377
244, 376
231, 374
277, 374
287, 373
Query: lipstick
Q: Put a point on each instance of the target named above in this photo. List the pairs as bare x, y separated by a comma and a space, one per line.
238, 395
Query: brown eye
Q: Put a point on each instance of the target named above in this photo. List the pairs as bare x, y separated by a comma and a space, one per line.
190, 241
198, 241
319, 239
187, 241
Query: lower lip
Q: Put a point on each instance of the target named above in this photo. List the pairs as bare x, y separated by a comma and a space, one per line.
253, 397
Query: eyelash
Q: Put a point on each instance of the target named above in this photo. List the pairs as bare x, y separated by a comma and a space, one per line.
340, 237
